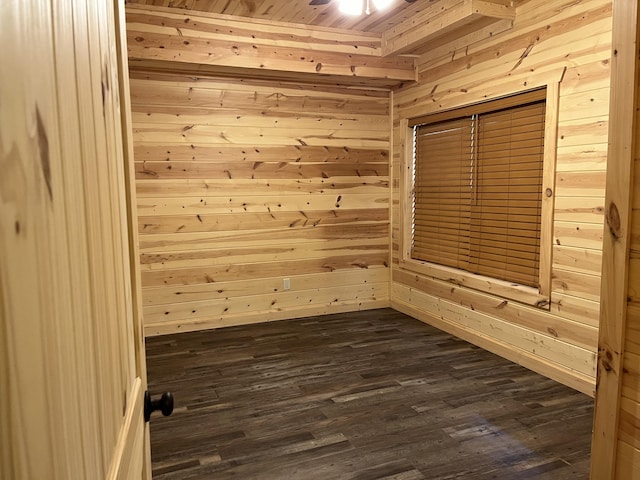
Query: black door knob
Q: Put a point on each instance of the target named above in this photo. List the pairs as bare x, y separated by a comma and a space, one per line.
164, 404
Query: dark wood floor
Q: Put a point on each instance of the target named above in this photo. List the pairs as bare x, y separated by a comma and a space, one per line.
360, 396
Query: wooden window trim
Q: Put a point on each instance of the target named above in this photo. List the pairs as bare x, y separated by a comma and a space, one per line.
539, 298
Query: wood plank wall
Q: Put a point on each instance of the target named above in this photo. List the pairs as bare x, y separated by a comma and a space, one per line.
551, 41
242, 185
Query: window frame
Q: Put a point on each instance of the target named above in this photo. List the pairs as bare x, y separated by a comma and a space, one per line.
537, 297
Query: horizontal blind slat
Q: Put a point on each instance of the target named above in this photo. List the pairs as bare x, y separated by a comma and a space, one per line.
478, 188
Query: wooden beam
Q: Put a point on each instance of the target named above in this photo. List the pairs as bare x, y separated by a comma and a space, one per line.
618, 207
445, 18
227, 27
156, 67
222, 45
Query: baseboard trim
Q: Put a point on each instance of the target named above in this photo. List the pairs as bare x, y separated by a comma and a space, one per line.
192, 325
575, 380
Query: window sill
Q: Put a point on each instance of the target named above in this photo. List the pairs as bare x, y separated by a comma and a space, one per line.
507, 290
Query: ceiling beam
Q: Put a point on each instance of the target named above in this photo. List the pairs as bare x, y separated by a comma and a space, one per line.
447, 17
220, 44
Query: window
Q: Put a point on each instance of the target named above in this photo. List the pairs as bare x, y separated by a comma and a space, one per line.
476, 203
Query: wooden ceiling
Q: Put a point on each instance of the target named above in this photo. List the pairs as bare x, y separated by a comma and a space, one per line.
278, 39
301, 12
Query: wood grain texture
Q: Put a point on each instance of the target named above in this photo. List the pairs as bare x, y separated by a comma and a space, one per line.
551, 42
300, 12
241, 186
446, 18
69, 369
615, 446
363, 395
135, 440
223, 45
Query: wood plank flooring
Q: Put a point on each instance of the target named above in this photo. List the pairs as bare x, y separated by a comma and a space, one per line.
358, 396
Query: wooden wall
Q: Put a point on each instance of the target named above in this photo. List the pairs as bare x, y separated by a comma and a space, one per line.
551, 41
242, 185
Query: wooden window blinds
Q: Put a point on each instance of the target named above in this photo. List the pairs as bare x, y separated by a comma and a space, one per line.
477, 193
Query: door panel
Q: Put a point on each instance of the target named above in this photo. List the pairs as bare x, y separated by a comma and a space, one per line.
71, 353
127, 461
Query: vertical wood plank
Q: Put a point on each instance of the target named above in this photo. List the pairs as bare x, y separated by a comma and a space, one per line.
392, 206
133, 244
405, 142
30, 257
71, 17
67, 363
548, 185
94, 113
622, 121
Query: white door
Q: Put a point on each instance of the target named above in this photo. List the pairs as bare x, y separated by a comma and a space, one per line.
72, 370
